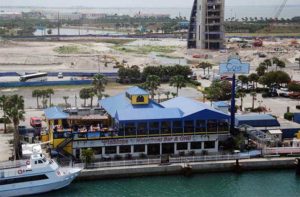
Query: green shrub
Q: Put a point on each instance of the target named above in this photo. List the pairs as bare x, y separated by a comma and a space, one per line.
289, 116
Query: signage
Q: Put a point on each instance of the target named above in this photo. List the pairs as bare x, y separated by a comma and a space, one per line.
234, 66
137, 141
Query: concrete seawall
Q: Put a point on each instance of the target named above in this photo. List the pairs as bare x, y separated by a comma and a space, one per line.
173, 169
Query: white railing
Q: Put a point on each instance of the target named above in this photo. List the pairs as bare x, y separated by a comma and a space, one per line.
282, 150
208, 158
187, 159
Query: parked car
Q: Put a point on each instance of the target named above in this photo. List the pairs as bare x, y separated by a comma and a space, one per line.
36, 122
294, 95
284, 94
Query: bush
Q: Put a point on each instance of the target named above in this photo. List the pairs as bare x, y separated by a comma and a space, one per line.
261, 90
192, 153
7, 121
181, 153
195, 83
289, 116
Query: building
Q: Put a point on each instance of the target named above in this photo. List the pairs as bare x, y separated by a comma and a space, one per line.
206, 29
10, 15
132, 123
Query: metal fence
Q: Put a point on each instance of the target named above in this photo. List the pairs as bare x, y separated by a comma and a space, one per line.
172, 160
282, 151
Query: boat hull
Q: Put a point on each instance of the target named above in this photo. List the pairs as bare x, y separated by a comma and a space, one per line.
37, 189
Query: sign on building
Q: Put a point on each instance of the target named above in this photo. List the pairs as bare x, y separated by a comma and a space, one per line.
234, 65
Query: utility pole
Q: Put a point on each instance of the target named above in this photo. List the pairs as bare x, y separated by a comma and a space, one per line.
58, 26
98, 59
298, 60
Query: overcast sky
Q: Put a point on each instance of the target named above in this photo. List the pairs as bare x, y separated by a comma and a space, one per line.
133, 3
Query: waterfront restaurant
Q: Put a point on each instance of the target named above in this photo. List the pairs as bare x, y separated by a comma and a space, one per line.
140, 126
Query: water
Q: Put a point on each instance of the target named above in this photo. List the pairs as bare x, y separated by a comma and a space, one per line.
250, 184
230, 11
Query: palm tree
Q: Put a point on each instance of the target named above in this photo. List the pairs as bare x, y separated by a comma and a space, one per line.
241, 95
254, 79
3, 100
36, 94
174, 94
87, 155
50, 92
66, 100
99, 82
253, 94
91, 95
178, 82
152, 83
168, 94
84, 94
15, 112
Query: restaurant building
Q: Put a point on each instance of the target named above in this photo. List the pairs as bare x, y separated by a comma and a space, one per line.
133, 124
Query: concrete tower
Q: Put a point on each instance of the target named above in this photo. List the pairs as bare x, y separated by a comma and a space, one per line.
206, 29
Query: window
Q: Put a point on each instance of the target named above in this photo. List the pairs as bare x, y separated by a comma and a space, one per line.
97, 150
165, 127
142, 128
140, 99
154, 128
23, 179
196, 145
177, 127
189, 126
209, 144
130, 129
110, 150
223, 125
200, 126
125, 149
139, 148
40, 161
212, 126
182, 146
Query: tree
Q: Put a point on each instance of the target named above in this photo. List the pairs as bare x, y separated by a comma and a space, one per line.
244, 80
267, 63
37, 94
87, 155
204, 66
278, 63
219, 90
84, 94
66, 100
241, 95
275, 78
49, 93
178, 82
152, 83
261, 69
99, 82
15, 112
253, 78
253, 94
91, 94
294, 87
173, 94
3, 100
168, 94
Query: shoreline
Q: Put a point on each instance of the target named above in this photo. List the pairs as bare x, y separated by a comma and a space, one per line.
179, 168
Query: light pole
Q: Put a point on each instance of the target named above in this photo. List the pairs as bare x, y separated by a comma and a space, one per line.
260, 102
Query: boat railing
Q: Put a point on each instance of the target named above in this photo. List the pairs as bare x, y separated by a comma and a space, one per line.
13, 164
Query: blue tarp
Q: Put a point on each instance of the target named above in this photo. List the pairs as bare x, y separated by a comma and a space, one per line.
55, 113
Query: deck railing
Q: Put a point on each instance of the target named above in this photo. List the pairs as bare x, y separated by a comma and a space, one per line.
171, 160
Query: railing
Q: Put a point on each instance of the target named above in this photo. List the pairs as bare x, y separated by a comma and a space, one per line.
282, 150
188, 159
12, 164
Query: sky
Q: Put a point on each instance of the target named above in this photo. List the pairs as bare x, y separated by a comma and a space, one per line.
133, 3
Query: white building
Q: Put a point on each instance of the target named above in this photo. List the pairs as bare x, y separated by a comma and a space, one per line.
206, 29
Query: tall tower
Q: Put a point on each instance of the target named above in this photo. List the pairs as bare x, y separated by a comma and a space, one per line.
206, 29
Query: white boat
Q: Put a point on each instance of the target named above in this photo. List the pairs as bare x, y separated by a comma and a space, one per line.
34, 176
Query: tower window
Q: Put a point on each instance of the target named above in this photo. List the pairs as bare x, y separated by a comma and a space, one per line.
140, 99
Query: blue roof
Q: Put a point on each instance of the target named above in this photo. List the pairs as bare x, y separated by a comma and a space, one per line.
148, 114
137, 91
221, 104
189, 106
54, 113
256, 120
121, 102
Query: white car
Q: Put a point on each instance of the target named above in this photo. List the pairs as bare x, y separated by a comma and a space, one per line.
60, 75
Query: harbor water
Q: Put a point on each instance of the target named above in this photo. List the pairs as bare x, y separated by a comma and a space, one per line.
248, 184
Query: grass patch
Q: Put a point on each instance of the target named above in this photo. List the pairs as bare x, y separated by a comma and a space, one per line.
71, 49
146, 49
169, 56
116, 41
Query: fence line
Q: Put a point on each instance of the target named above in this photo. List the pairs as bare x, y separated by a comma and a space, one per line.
187, 159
